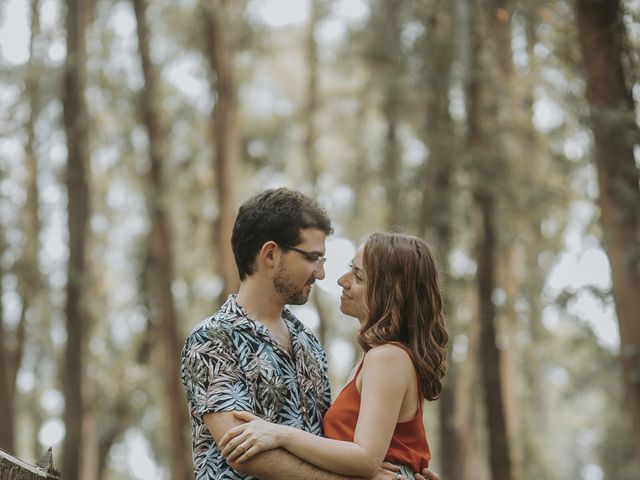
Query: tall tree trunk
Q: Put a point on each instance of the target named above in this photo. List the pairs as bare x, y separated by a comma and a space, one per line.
467, 384
312, 100
534, 417
535, 408
499, 449
28, 274
361, 170
437, 214
224, 124
615, 132
507, 267
76, 121
162, 252
484, 197
6, 404
313, 168
392, 162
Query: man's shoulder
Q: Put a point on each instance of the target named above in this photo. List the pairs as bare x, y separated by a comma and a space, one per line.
211, 329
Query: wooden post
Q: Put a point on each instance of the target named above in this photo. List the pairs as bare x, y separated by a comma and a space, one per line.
12, 468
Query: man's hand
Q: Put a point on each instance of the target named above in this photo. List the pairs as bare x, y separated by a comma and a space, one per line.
426, 474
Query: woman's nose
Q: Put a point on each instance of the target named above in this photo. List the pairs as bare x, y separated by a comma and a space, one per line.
342, 281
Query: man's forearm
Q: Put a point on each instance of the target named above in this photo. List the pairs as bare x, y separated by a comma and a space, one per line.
279, 464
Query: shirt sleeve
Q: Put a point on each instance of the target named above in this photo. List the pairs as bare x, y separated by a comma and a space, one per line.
212, 375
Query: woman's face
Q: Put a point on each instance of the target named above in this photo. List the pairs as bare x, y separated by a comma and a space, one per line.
352, 283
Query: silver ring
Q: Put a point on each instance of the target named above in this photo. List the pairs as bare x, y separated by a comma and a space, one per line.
399, 476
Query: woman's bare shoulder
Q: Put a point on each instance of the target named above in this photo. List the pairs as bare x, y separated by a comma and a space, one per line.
389, 355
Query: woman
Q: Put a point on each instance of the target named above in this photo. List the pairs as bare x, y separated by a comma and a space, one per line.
392, 289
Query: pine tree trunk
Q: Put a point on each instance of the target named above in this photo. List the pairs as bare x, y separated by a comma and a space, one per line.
601, 32
466, 386
510, 352
499, 457
392, 162
486, 246
436, 213
224, 125
29, 275
162, 253
6, 404
312, 100
311, 156
76, 121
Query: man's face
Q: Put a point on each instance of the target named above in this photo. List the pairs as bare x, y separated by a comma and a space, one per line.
295, 273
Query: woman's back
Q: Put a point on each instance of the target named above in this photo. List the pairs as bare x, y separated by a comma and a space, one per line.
408, 444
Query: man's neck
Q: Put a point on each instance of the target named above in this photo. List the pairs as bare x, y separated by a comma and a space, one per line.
260, 301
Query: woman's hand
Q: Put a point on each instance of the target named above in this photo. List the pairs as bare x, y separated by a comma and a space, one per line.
389, 471
241, 443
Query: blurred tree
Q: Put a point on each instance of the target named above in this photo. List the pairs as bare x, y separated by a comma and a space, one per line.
6, 400
76, 123
482, 112
162, 256
310, 138
390, 66
386, 58
615, 134
27, 268
29, 272
436, 214
311, 107
220, 51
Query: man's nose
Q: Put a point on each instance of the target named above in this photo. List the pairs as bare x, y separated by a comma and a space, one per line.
319, 273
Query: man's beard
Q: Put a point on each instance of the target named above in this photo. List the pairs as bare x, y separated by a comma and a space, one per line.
292, 294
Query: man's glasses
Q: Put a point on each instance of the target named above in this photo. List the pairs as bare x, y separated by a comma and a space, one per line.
318, 261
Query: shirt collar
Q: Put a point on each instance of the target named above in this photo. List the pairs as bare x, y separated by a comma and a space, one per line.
237, 316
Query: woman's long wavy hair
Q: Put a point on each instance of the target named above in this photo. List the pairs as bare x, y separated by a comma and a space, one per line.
403, 303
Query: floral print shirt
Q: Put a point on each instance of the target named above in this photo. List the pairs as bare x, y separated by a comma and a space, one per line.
231, 362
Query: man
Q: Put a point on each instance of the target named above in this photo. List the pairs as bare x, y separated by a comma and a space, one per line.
253, 354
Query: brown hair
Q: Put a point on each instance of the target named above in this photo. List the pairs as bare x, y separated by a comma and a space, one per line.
403, 304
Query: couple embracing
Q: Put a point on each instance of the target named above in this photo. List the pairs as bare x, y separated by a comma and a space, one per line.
256, 377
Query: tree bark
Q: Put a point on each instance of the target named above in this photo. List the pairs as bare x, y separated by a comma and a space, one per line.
312, 100
6, 404
615, 132
224, 127
499, 457
389, 55
436, 215
27, 271
162, 253
76, 126
486, 245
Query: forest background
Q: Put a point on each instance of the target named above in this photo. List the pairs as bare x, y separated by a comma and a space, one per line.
505, 132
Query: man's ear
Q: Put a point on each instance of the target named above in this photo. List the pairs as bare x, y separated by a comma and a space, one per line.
268, 253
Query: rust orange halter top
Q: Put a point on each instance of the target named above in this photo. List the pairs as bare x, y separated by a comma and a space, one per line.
409, 444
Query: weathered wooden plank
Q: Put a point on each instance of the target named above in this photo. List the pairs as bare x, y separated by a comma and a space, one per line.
12, 468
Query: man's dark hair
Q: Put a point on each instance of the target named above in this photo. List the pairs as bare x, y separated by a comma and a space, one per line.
274, 215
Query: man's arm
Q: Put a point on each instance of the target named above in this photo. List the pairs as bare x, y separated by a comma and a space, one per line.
272, 464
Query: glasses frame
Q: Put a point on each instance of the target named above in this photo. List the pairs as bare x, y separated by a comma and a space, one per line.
317, 260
